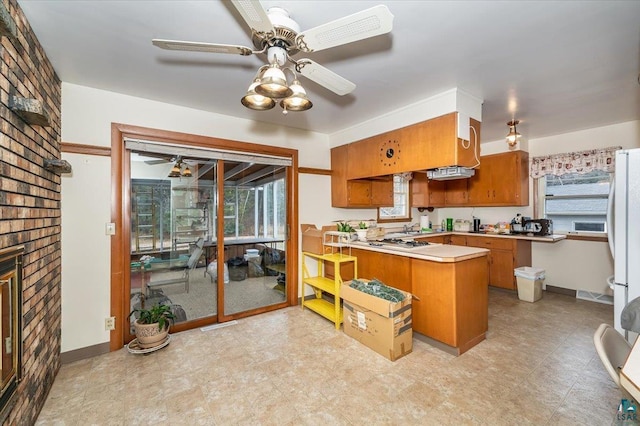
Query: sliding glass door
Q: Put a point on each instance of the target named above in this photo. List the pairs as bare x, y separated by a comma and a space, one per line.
254, 237
172, 211
204, 229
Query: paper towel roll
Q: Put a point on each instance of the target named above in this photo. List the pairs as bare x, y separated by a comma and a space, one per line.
424, 222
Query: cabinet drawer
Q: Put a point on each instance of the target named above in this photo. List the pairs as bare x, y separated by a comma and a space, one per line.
490, 242
437, 239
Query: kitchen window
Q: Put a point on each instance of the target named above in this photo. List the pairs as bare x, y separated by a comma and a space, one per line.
577, 202
400, 210
574, 188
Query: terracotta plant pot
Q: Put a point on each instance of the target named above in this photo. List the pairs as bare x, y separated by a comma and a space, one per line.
148, 335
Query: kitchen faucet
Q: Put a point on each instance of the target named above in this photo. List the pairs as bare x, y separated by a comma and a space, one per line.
408, 228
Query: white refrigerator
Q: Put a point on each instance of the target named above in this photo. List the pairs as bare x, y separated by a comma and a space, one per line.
624, 232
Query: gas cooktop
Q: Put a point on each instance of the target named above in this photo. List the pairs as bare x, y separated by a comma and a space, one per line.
401, 244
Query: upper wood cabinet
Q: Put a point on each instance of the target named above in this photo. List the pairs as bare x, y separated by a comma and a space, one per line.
438, 193
501, 180
421, 146
456, 192
358, 193
426, 193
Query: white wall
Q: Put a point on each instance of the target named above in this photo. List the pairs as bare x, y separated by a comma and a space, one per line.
86, 207
87, 115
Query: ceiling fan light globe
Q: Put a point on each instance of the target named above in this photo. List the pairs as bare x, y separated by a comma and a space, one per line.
257, 102
273, 84
298, 101
187, 172
175, 171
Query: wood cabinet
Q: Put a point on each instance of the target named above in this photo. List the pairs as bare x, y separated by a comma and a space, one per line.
421, 146
451, 301
324, 286
451, 297
360, 193
425, 192
501, 180
505, 255
394, 271
456, 192
458, 240
435, 238
438, 193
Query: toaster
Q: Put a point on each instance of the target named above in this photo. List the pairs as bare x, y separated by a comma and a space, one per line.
460, 225
538, 227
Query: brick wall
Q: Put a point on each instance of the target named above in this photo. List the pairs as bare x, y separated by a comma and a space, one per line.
30, 207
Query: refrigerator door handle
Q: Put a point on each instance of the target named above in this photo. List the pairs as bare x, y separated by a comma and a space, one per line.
610, 228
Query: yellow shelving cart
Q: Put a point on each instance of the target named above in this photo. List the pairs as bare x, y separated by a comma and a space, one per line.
322, 284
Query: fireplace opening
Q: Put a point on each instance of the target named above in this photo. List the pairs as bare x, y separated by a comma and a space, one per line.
10, 325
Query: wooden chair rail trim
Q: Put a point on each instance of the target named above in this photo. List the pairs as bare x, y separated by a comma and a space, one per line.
312, 171
76, 148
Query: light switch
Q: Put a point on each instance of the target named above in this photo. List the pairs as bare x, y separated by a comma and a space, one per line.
110, 229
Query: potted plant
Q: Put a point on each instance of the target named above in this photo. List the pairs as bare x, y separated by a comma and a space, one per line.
347, 230
362, 231
152, 325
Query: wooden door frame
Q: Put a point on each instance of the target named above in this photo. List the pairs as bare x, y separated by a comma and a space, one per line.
120, 283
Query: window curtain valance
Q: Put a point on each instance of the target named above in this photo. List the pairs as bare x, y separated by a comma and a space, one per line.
574, 162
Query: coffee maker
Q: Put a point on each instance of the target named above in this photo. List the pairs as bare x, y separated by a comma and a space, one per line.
517, 224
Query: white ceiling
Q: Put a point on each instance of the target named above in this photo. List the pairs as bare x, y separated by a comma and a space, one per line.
556, 66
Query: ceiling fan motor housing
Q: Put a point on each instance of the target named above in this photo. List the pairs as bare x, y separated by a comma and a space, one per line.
286, 31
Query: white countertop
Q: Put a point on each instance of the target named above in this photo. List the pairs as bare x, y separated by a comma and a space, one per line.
544, 239
433, 252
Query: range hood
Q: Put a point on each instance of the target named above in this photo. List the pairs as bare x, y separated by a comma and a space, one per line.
450, 173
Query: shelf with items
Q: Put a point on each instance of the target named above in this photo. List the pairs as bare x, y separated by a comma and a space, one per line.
189, 224
326, 287
337, 240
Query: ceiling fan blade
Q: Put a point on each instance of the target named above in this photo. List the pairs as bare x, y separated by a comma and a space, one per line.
154, 162
195, 46
254, 15
324, 77
364, 24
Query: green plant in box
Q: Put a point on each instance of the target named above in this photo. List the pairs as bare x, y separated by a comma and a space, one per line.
362, 225
344, 227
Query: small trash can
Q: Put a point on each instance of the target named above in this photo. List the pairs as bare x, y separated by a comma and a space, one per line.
529, 283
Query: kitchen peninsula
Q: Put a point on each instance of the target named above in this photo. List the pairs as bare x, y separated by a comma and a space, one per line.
449, 284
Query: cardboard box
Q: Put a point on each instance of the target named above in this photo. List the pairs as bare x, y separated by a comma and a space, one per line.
381, 325
312, 237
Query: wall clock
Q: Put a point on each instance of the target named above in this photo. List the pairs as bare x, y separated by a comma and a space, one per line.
389, 152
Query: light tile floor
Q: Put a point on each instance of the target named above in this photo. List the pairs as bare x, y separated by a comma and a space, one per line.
291, 367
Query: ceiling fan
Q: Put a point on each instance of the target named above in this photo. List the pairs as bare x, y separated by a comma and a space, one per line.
274, 32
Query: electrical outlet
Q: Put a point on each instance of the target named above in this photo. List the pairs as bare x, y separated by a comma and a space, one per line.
110, 323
